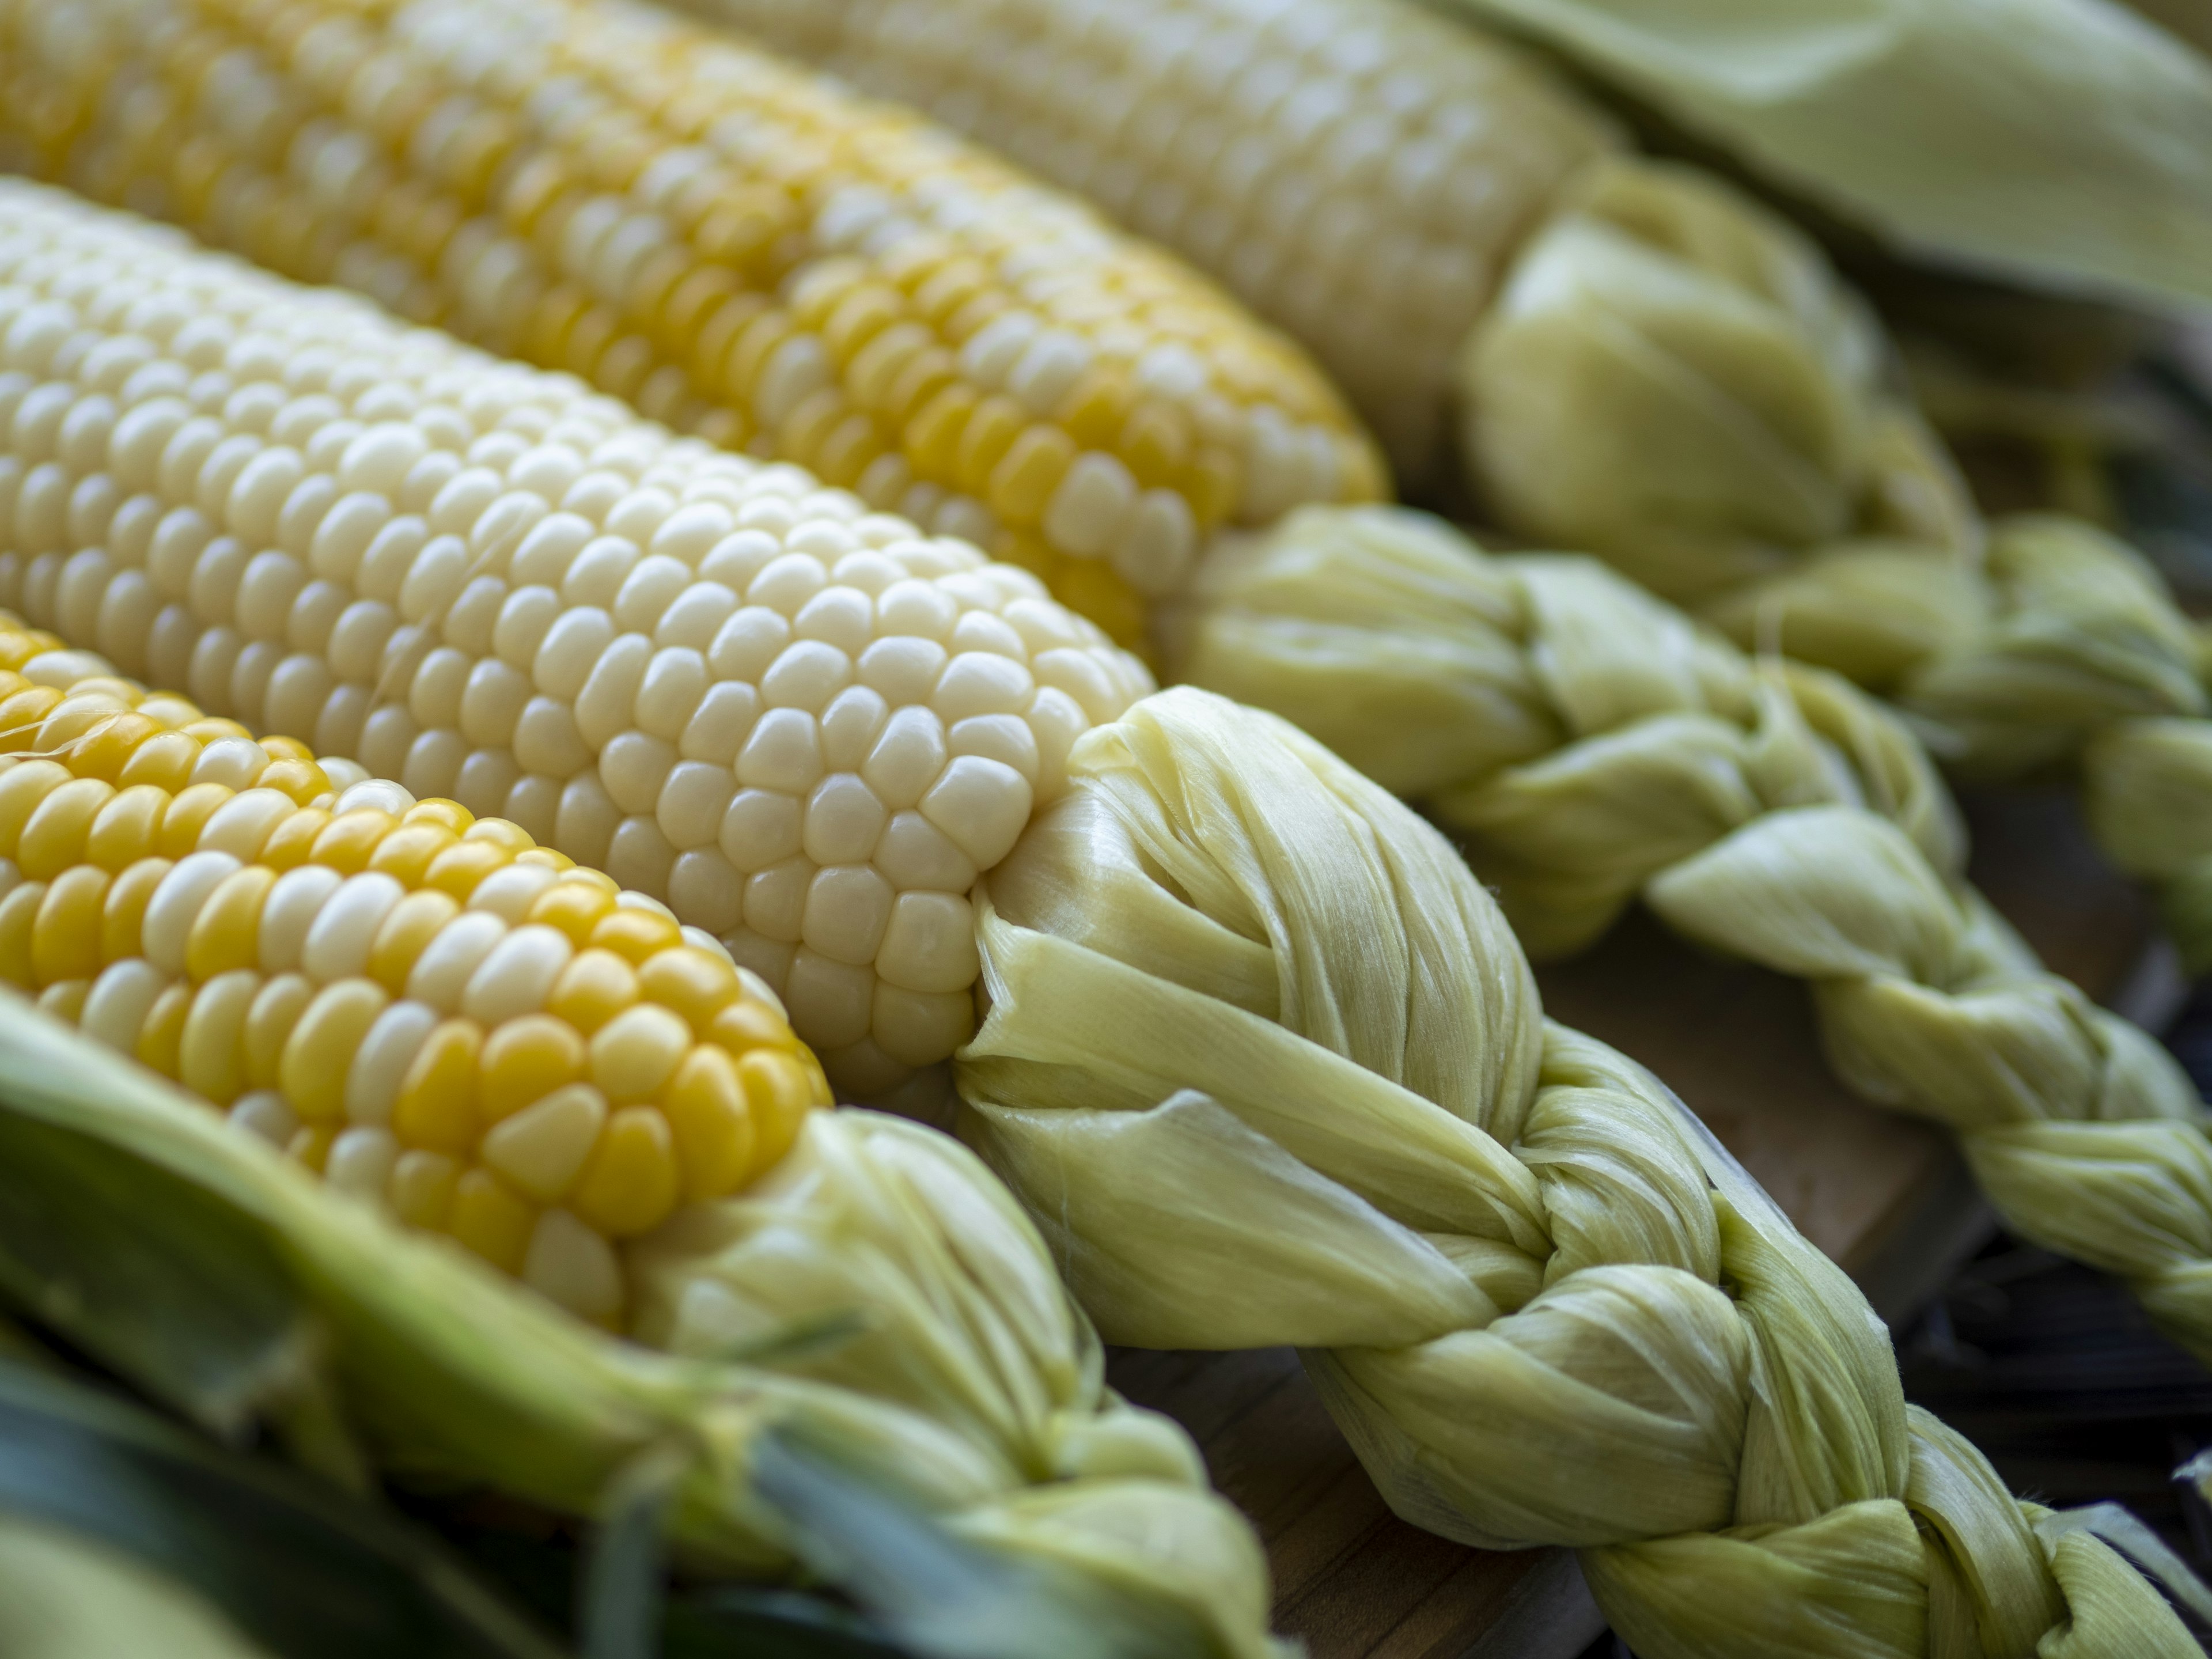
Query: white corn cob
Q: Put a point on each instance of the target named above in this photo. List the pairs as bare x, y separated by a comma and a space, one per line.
804, 726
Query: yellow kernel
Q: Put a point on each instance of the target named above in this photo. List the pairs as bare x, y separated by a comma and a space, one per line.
631, 1183
103, 751
125, 911
1091, 588
301, 779
283, 750
22, 714
707, 1111
436, 1108
311, 1145
292, 843
408, 928
779, 1093
694, 983
636, 934
525, 1059
19, 916
128, 828
932, 438
487, 1218
65, 935
749, 1024
1025, 477
989, 434
594, 987
65, 999
54, 838
226, 935
165, 761
459, 867
187, 816
349, 839
549, 857
312, 1073
269, 1024
164, 1029
423, 1185
572, 906
23, 789
207, 729
445, 814
635, 1053
405, 853
211, 1050
499, 832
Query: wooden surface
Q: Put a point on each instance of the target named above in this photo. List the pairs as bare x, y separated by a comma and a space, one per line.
1886, 1197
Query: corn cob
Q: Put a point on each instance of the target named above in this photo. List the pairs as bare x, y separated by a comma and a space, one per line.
1645, 364
1359, 174
1545, 1306
737, 248
801, 724
423, 1007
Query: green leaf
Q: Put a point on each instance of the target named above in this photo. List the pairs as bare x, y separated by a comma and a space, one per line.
299, 1568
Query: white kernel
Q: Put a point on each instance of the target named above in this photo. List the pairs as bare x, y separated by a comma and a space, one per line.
847, 907
775, 899
832, 1003
674, 683
633, 766
706, 888
919, 607
550, 549
842, 616
337, 944
442, 972
379, 460
263, 1114
584, 826
748, 643
235, 763
435, 578
695, 616
433, 767
526, 616
290, 910
242, 825
788, 584
517, 975
377, 793
606, 706
783, 752
116, 1007
574, 646
844, 820
906, 758
915, 854
484, 781
903, 669
491, 703
361, 1161
1157, 544
380, 1065
572, 1266
929, 945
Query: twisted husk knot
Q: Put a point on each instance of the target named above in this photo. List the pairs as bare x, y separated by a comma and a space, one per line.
1263, 1061
1678, 380
1767, 810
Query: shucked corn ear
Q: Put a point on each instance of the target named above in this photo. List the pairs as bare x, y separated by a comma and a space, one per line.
486, 1043
425, 1008
1648, 366
740, 249
1358, 173
803, 725
1546, 1306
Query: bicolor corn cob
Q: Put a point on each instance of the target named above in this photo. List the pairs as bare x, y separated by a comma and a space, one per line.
425, 1008
803, 725
1358, 173
736, 247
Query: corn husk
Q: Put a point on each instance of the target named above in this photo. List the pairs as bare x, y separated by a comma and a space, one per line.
1263, 1059
2065, 144
232, 1283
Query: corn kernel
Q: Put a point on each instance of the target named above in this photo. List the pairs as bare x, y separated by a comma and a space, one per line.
65, 932
123, 916
312, 1073
436, 1108
593, 988
635, 1053
712, 1122
408, 928
225, 934
634, 934
127, 829
695, 983
164, 1030
277, 1009
779, 1092
188, 814
53, 839
574, 906
631, 1182
423, 1188
489, 1219
350, 840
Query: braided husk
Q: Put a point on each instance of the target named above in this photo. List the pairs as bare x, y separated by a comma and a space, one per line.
1678, 381
1264, 1060
1590, 746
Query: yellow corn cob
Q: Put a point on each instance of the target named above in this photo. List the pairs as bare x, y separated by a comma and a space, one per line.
736, 247
1358, 173
803, 725
425, 1008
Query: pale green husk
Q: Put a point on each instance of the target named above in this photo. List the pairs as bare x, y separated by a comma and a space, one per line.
2064, 143
217, 1273
1264, 1060
64, 1597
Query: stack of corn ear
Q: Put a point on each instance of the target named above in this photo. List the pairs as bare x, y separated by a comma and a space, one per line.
1550, 1311
464, 1036
1640, 362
